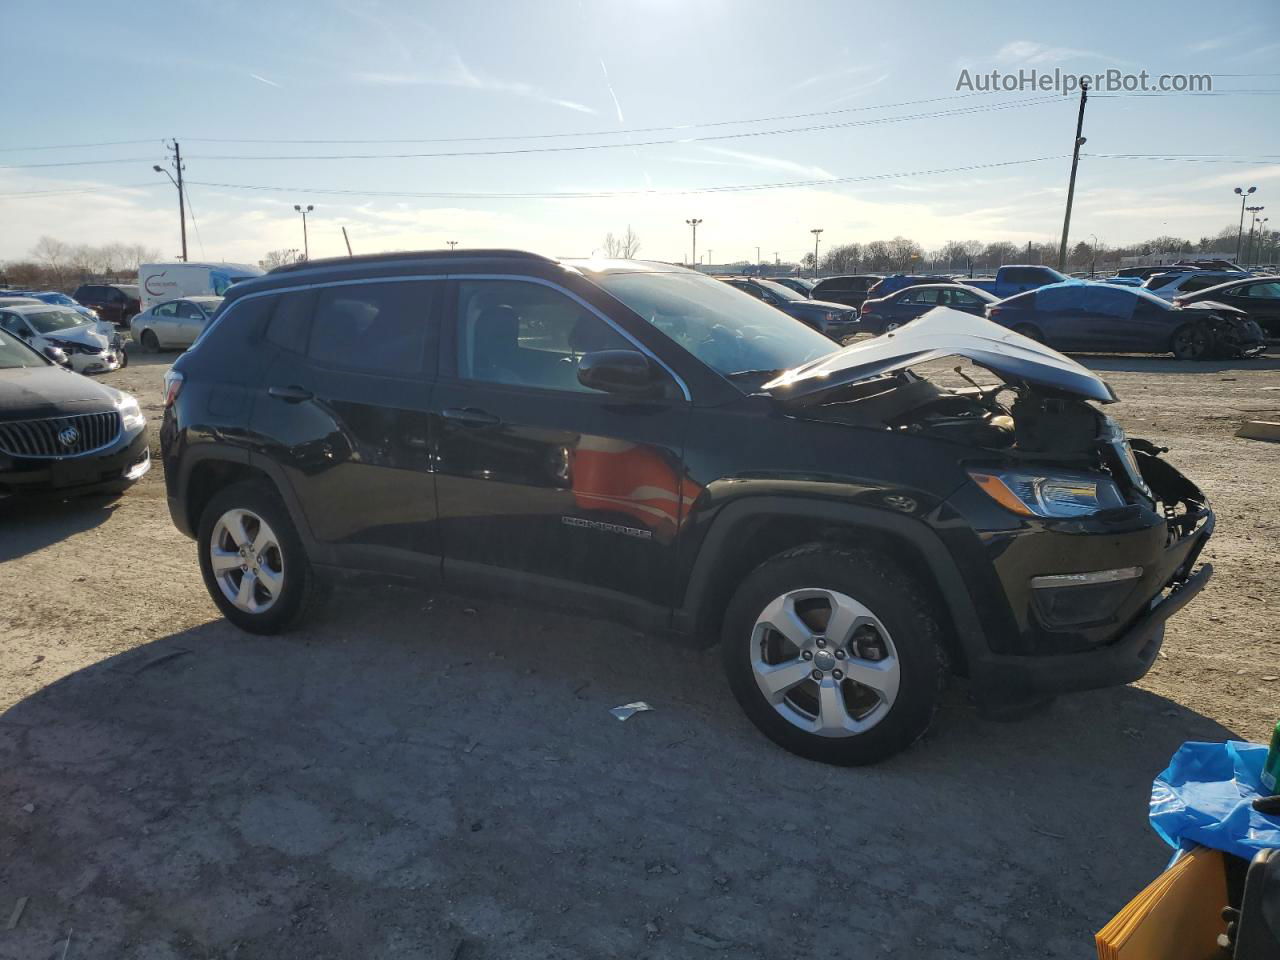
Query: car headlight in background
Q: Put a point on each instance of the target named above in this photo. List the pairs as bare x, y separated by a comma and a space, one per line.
1061, 494
130, 413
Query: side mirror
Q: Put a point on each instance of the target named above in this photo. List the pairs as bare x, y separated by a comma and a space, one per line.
626, 373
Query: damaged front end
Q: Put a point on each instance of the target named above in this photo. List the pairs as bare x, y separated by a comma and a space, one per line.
1090, 537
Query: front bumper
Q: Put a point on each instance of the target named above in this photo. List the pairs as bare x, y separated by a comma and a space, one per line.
113, 469
1114, 640
103, 362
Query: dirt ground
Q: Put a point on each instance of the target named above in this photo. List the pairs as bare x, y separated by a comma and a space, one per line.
438, 777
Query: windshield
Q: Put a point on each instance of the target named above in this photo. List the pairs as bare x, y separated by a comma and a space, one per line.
14, 354
61, 298
51, 321
785, 292
729, 331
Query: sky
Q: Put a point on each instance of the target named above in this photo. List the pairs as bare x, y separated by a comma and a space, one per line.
660, 110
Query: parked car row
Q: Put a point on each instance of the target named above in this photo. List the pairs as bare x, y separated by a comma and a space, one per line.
1190, 311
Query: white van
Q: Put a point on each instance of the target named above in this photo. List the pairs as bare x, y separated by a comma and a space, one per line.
158, 282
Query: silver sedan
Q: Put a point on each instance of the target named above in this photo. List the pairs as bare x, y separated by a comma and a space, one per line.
174, 323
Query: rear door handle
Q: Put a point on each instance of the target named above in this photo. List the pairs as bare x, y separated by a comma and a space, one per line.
470, 416
290, 394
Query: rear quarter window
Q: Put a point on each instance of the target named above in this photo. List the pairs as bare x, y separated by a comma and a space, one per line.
232, 348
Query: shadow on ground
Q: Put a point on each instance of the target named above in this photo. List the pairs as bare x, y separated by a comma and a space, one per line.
1130, 363
413, 779
29, 525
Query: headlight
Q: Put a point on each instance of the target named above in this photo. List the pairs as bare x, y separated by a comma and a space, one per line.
130, 413
1061, 494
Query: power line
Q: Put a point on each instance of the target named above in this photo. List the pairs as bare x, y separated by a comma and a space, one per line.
962, 111
75, 163
598, 194
50, 193
79, 146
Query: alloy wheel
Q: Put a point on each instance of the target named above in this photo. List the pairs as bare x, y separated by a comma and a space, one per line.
825, 662
246, 560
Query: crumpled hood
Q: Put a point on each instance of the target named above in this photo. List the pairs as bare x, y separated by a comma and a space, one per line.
88, 336
942, 332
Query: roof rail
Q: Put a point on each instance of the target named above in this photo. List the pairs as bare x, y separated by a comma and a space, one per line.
391, 257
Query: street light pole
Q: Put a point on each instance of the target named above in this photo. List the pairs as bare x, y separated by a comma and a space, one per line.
817, 232
1071, 184
182, 206
1253, 222
1093, 262
693, 222
452, 244
306, 250
1243, 194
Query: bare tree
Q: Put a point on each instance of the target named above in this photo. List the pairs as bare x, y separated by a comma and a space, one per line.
278, 258
904, 253
843, 258
53, 254
624, 247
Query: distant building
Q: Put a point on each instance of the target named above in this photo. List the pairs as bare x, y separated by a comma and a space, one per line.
1160, 259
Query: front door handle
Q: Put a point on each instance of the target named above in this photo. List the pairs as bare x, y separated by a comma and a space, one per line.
470, 416
290, 394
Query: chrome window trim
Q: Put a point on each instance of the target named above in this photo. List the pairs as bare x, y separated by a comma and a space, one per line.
524, 278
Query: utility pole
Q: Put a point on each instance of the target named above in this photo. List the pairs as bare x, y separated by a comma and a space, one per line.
777, 261
182, 202
693, 222
817, 232
1071, 185
347, 240
1243, 194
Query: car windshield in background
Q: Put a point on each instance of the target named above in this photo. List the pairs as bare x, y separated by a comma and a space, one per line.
51, 321
15, 354
785, 292
727, 330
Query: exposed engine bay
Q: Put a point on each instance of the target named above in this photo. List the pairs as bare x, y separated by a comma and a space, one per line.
1021, 422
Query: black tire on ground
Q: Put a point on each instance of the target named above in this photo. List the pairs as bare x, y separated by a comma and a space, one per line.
298, 597
1191, 341
894, 597
149, 342
1030, 332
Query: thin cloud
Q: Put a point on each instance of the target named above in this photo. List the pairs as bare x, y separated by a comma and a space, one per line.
1212, 44
1239, 177
1031, 52
762, 162
616, 105
457, 74
260, 79
830, 76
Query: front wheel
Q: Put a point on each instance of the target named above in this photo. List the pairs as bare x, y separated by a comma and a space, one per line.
834, 654
1191, 342
253, 563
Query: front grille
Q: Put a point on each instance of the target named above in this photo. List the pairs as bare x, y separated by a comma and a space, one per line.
49, 436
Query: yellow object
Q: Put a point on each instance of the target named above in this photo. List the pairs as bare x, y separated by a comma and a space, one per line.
1177, 917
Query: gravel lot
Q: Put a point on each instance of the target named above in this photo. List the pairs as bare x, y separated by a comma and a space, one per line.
437, 777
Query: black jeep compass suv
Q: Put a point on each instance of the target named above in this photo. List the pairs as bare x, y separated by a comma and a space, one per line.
644, 441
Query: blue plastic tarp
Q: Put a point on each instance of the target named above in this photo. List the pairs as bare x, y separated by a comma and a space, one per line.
1205, 797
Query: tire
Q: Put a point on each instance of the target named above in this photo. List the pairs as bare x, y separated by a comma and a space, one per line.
902, 654
150, 344
283, 589
891, 326
1191, 341
1030, 332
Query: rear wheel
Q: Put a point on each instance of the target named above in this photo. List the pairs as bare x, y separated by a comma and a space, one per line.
253, 562
150, 343
1190, 342
891, 326
834, 654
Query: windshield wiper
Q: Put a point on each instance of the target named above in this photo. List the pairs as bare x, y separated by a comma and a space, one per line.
742, 374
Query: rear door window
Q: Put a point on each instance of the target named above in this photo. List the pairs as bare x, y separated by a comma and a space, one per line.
373, 327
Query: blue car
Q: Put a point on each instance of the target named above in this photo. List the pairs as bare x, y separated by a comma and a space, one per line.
56, 298
1103, 317
887, 314
833, 319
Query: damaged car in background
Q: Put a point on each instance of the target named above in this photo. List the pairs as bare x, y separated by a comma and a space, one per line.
1101, 317
659, 447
